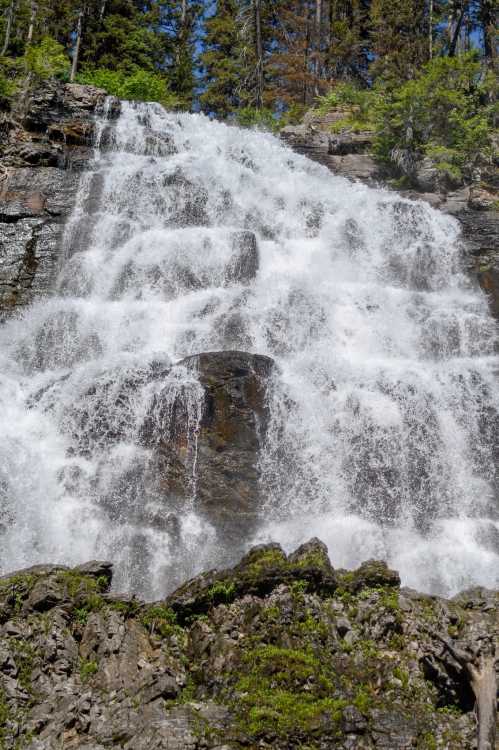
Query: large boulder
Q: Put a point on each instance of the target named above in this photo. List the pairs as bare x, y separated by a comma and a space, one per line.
206, 443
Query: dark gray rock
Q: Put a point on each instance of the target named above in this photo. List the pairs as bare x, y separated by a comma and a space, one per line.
232, 424
244, 263
255, 656
45, 141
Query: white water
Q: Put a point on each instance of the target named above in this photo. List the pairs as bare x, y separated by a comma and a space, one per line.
383, 406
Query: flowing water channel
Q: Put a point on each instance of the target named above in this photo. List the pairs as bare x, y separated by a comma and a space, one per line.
383, 405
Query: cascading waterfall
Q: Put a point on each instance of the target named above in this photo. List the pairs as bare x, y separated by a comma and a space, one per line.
383, 403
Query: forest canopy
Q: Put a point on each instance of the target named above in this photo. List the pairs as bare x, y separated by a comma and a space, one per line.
418, 71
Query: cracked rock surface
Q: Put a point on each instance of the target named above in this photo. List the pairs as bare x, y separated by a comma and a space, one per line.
44, 145
278, 652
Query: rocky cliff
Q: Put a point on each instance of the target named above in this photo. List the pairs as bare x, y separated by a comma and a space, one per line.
475, 206
45, 143
279, 652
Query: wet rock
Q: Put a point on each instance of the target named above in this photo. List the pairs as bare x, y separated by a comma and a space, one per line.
46, 140
97, 569
343, 153
373, 573
243, 265
224, 444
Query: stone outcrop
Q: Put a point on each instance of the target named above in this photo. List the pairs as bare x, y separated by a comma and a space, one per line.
44, 144
279, 652
475, 206
211, 439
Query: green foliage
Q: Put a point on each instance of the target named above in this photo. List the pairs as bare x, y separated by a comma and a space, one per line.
221, 60
47, 59
363, 700
25, 656
161, 620
88, 668
7, 88
141, 85
222, 592
284, 690
443, 114
263, 119
357, 103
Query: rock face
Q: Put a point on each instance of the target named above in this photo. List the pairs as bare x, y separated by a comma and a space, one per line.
279, 652
44, 145
215, 442
348, 154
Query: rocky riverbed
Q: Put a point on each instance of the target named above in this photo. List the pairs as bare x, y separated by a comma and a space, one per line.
278, 652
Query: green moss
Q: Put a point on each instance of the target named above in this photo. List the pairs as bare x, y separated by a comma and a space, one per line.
161, 621
312, 626
390, 600
272, 558
16, 589
281, 712
402, 675
363, 699
25, 658
298, 588
283, 690
271, 614
5, 716
88, 667
129, 608
222, 592
427, 742
77, 583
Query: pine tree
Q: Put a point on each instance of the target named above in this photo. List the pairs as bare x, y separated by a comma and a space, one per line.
221, 60
399, 38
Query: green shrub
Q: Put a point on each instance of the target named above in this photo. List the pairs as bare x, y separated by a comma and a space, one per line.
443, 114
47, 59
359, 106
141, 85
250, 117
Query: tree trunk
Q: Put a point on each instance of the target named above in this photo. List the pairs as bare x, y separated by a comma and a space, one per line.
456, 29
488, 21
8, 27
259, 54
430, 31
318, 43
102, 10
76, 53
483, 684
306, 56
183, 15
482, 679
32, 19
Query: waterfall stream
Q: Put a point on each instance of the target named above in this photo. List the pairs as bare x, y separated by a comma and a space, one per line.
383, 404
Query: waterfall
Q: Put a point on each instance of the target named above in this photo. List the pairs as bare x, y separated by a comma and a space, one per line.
383, 403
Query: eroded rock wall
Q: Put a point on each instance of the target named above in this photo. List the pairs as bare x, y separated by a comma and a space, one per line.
45, 143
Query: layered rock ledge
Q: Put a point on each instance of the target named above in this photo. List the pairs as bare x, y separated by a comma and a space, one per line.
44, 144
278, 652
475, 206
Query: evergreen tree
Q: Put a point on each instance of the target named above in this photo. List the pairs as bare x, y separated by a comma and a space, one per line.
399, 38
221, 60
